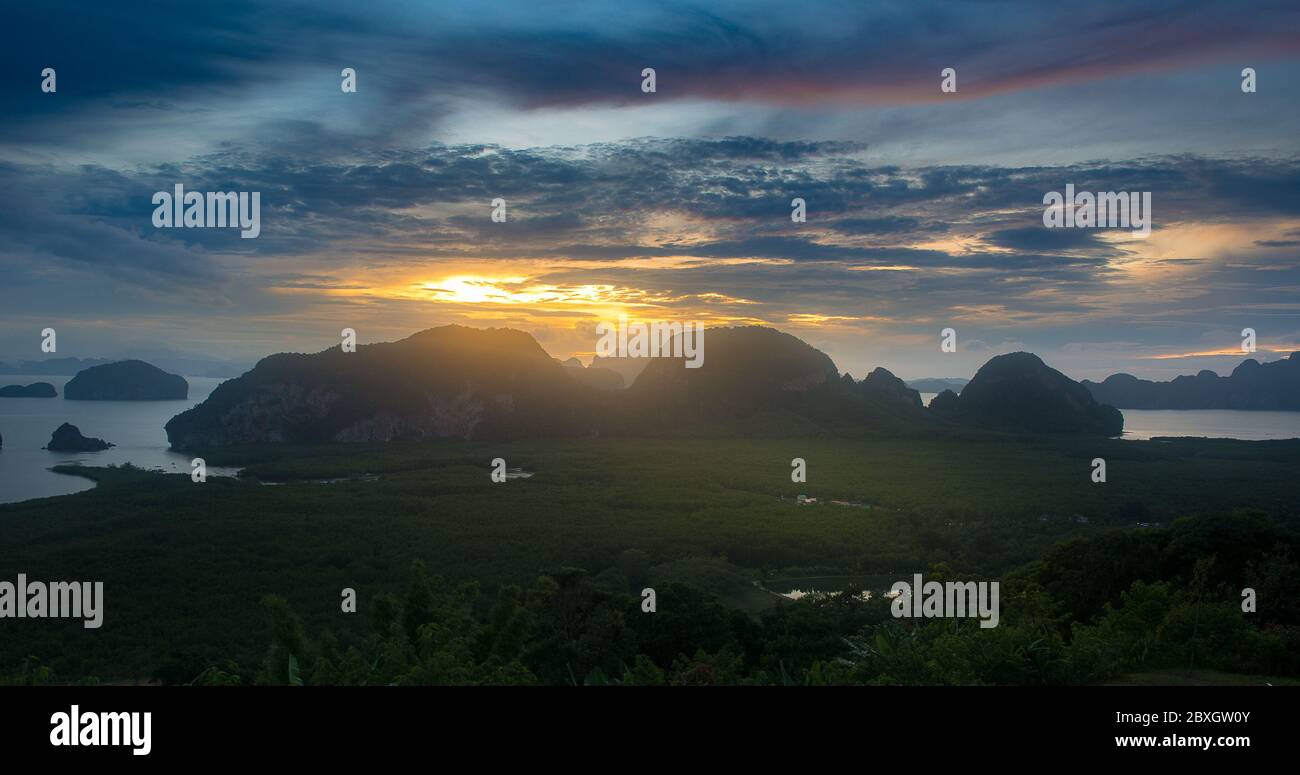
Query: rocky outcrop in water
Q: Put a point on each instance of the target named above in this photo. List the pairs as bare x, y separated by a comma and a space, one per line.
34, 390
68, 438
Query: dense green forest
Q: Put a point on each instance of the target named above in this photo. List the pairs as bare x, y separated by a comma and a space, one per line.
537, 580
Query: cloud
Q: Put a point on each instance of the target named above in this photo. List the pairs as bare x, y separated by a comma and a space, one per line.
688, 227
892, 224
1039, 238
269, 74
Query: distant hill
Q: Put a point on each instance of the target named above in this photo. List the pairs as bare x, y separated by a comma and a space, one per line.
595, 376
1251, 386
938, 384
126, 381
1019, 392
628, 368
52, 367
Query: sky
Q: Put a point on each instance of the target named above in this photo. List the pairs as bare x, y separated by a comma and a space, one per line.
924, 207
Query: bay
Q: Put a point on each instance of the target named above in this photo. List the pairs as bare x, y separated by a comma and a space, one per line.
135, 427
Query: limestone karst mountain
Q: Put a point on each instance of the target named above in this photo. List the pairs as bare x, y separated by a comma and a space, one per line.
488, 384
1019, 392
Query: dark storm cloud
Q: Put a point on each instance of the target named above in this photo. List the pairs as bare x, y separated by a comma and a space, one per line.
80, 218
141, 58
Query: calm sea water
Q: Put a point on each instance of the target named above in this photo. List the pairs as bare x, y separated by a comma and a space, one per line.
1214, 423
1142, 424
136, 427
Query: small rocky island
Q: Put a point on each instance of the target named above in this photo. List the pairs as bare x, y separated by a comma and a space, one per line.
34, 390
68, 438
126, 381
